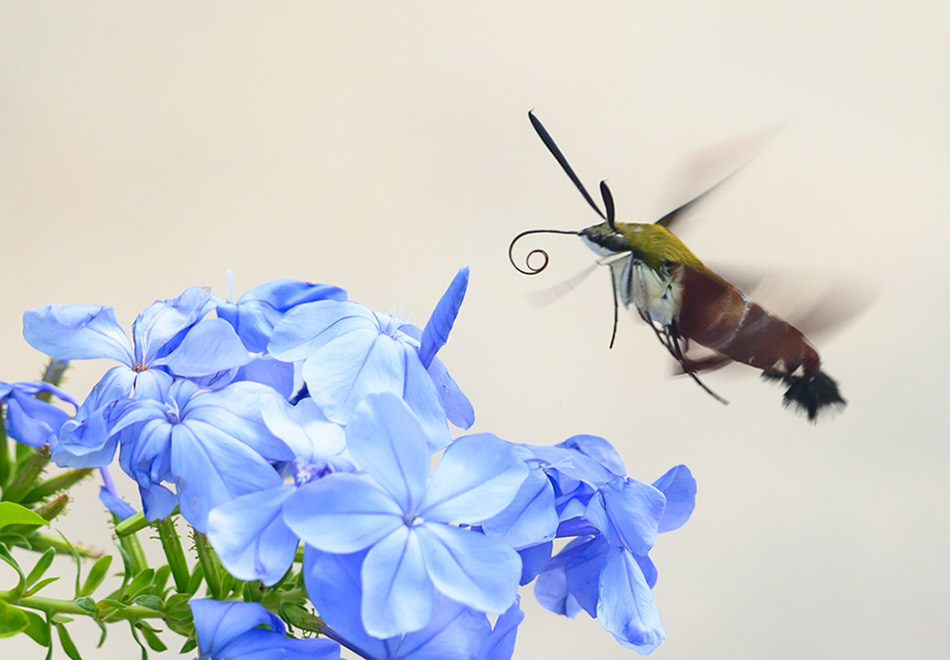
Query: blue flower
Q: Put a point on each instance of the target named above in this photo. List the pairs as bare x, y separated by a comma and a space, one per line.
608, 572
213, 445
454, 631
167, 339
33, 421
255, 313
248, 532
233, 631
349, 351
254, 316
405, 522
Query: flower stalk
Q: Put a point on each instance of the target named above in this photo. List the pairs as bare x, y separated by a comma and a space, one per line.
171, 543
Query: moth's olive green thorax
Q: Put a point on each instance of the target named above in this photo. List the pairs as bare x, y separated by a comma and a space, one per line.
650, 243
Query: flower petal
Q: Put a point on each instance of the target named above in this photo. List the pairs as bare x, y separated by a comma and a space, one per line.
303, 428
626, 607
77, 332
531, 518
628, 513
456, 405
397, 593
308, 327
342, 513
437, 329
251, 537
477, 477
217, 624
679, 487
209, 347
387, 441
236, 411
341, 373
500, 645
211, 468
469, 567
158, 327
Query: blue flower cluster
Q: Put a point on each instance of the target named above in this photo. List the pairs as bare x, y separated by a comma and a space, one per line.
294, 414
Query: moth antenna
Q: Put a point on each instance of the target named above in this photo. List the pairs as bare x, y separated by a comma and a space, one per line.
608, 204
528, 268
559, 157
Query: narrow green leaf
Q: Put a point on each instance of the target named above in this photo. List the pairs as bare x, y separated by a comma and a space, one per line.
195, 580
189, 645
151, 638
12, 620
177, 600
39, 585
14, 593
135, 636
68, 647
38, 629
102, 637
96, 575
12, 513
41, 566
161, 579
55, 484
140, 582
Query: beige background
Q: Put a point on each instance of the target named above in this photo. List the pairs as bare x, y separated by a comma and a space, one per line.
146, 147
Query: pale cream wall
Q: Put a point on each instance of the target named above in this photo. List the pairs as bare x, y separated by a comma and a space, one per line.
146, 147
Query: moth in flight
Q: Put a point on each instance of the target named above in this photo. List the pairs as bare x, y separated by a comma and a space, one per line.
684, 301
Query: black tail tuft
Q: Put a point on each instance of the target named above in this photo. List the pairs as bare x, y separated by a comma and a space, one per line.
810, 396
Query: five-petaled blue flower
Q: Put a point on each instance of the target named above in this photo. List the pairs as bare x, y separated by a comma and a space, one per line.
404, 519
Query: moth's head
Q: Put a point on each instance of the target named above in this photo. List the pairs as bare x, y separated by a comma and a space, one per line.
605, 239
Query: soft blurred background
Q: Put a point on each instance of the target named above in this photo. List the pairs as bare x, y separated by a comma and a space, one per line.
147, 147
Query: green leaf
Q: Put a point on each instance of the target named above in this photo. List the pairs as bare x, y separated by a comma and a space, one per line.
87, 604
189, 645
141, 582
12, 620
68, 647
38, 628
195, 580
41, 566
151, 638
150, 601
39, 585
161, 579
12, 513
5, 555
96, 575
135, 636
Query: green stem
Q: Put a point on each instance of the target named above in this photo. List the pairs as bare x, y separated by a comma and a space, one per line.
27, 474
131, 544
210, 564
176, 556
57, 606
4, 449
